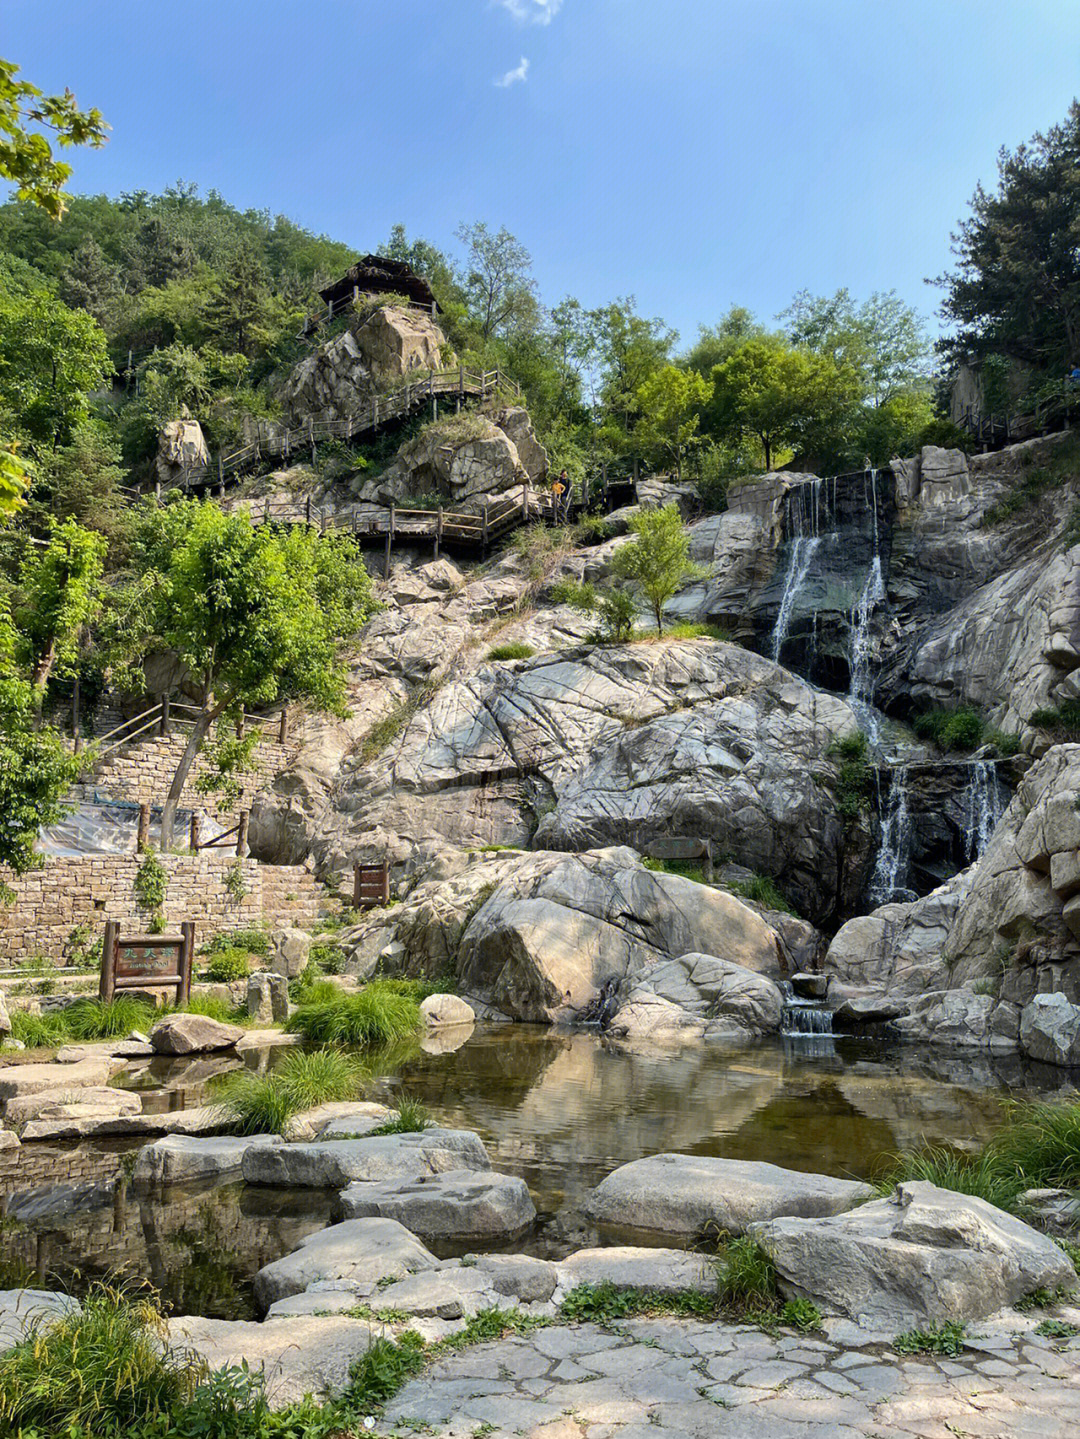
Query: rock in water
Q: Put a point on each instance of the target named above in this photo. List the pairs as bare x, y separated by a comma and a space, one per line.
192, 1033
457, 1204
1050, 1030
690, 1194
267, 998
333, 1163
924, 1255
359, 1251
185, 1159
446, 1009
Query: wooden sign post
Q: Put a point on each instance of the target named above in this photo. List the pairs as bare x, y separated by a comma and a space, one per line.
147, 961
371, 885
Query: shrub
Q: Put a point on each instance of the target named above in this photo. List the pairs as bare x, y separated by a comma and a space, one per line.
1064, 721
850, 746
227, 965
376, 1016
310, 987
594, 530
854, 779
578, 596
40, 1031
617, 615
959, 729
746, 1277
251, 941
762, 890
102, 1371
515, 650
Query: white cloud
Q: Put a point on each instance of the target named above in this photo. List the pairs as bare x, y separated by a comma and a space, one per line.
520, 72
532, 12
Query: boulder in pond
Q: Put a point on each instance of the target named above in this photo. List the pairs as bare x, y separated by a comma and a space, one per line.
334, 1163
456, 1204
1050, 1029
692, 1193
924, 1255
192, 1034
439, 1010
362, 1252
186, 1159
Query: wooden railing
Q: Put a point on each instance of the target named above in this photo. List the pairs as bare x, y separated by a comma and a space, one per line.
168, 713
349, 302
302, 440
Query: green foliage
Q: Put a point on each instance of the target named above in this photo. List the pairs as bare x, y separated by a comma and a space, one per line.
250, 940
962, 729
515, 650
1063, 721
488, 1324
1071, 534
854, 779
51, 360
213, 1007
376, 1016
691, 630
605, 1303
411, 1118
88, 1019
1016, 289
657, 559
26, 155
329, 958
593, 530
48, 1030
801, 1314
1040, 1299
309, 986
617, 615
234, 881
670, 402
102, 1370
570, 592
150, 885
975, 1174
746, 1276
381, 1371
1035, 482
946, 1338
762, 889
1057, 1329
227, 965
264, 1103
687, 868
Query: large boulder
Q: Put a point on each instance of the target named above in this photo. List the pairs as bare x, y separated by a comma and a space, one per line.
689, 1194
193, 1034
22, 1079
441, 1010
289, 950
924, 1255
98, 1101
516, 424
377, 352
456, 1204
358, 1252
646, 1018
22, 1309
1050, 1030
461, 457
713, 989
333, 1163
181, 451
267, 998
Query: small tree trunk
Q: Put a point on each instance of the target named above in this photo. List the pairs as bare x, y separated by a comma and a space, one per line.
42, 671
183, 769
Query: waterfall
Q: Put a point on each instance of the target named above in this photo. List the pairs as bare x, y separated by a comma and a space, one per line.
862, 681
803, 1016
888, 881
802, 555
983, 807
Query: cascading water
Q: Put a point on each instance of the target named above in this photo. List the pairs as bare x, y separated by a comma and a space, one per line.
804, 525
807, 1020
888, 882
862, 680
984, 806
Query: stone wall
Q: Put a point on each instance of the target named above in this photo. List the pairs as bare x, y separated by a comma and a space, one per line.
49, 902
142, 772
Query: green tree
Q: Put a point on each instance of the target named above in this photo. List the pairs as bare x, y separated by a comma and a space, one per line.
786, 397
670, 401
82, 481
716, 342
58, 595
257, 615
239, 302
883, 340
92, 284
51, 360
31, 122
498, 284
657, 560
1016, 287
36, 767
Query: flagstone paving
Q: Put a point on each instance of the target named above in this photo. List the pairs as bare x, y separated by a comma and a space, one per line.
687, 1380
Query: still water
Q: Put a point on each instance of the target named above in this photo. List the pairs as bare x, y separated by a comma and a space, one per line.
560, 1110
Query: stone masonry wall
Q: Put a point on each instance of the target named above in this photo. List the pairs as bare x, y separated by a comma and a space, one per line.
49, 902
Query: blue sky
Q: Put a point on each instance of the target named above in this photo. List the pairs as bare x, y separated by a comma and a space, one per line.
694, 153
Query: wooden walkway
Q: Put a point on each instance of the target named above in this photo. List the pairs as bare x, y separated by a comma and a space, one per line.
300, 442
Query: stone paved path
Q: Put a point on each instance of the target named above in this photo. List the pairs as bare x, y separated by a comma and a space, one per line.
688, 1380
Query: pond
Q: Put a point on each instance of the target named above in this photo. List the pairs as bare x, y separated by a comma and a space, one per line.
560, 1110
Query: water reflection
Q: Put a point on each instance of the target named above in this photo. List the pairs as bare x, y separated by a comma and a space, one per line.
561, 1110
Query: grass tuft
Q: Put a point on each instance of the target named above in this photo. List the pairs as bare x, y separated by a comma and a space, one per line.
762, 890
264, 1103
102, 1371
377, 1015
411, 1118
513, 650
